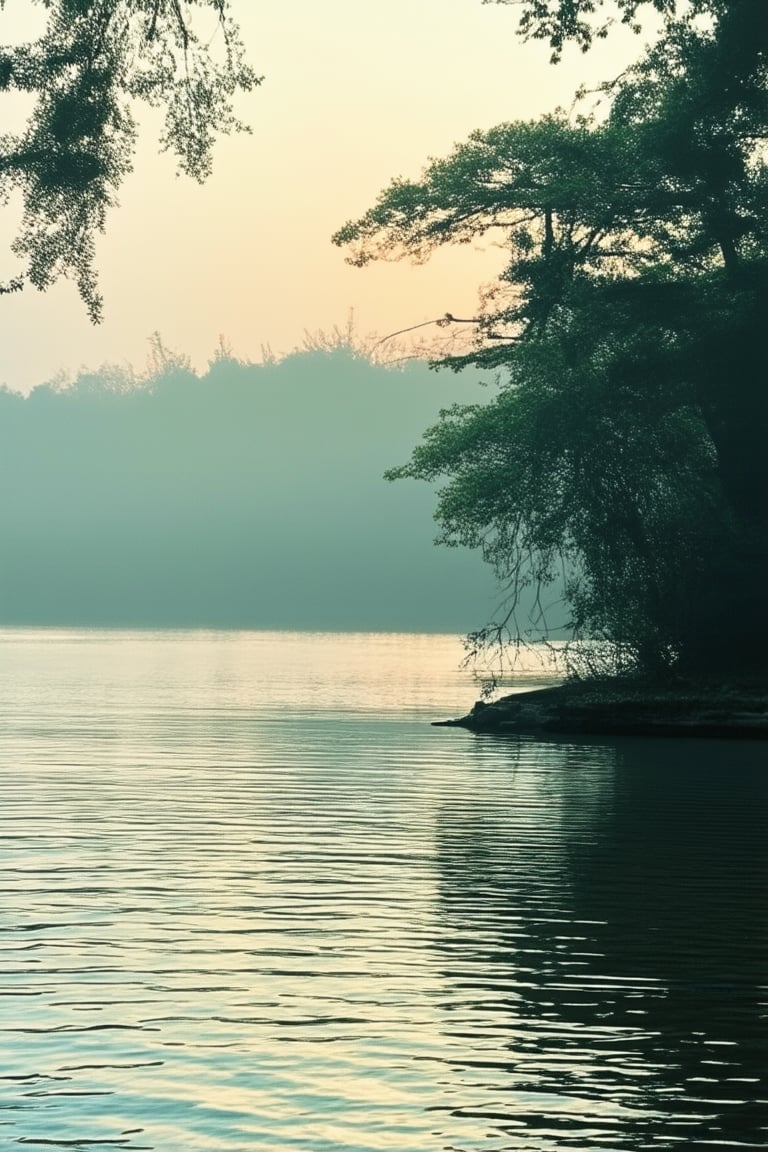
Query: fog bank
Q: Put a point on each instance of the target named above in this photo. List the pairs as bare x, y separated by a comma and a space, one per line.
250, 497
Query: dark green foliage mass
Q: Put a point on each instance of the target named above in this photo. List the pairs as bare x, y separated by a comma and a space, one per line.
95, 59
625, 446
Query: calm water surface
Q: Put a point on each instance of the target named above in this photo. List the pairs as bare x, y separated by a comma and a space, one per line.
249, 899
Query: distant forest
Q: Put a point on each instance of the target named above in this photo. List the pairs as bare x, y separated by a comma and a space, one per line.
248, 497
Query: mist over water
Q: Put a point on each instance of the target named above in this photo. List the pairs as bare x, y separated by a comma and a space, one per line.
250, 899
250, 497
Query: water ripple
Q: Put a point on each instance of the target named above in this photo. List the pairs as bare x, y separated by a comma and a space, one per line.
230, 920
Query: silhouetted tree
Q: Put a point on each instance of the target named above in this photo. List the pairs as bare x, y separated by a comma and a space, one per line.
94, 59
626, 442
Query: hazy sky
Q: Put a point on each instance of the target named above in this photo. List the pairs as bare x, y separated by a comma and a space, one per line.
353, 95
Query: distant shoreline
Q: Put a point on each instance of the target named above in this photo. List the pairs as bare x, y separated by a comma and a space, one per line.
625, 707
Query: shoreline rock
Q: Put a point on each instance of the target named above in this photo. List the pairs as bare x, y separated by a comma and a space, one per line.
625, 707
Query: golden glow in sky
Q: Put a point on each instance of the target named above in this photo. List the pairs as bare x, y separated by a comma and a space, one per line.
354, 94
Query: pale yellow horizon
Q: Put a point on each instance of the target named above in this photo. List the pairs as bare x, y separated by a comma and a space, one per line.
352, 97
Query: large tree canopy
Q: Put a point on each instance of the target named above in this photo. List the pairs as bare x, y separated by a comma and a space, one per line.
626, 443
94, 60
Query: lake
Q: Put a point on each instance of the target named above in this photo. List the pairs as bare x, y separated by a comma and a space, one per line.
250, 899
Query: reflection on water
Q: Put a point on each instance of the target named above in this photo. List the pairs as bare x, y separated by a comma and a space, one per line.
616, 993
250, 899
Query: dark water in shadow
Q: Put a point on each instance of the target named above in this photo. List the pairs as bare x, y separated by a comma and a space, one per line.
249, 899
618, 996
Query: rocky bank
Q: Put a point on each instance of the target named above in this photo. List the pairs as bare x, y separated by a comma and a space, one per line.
626, 707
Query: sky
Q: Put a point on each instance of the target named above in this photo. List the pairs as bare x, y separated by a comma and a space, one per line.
353, 95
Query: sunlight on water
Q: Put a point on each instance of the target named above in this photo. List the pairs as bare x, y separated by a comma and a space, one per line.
250, 899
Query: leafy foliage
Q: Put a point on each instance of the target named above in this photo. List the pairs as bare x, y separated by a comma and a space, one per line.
95, 58
582, 21
625, 444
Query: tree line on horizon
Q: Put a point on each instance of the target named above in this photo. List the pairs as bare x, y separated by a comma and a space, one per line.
249, 496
